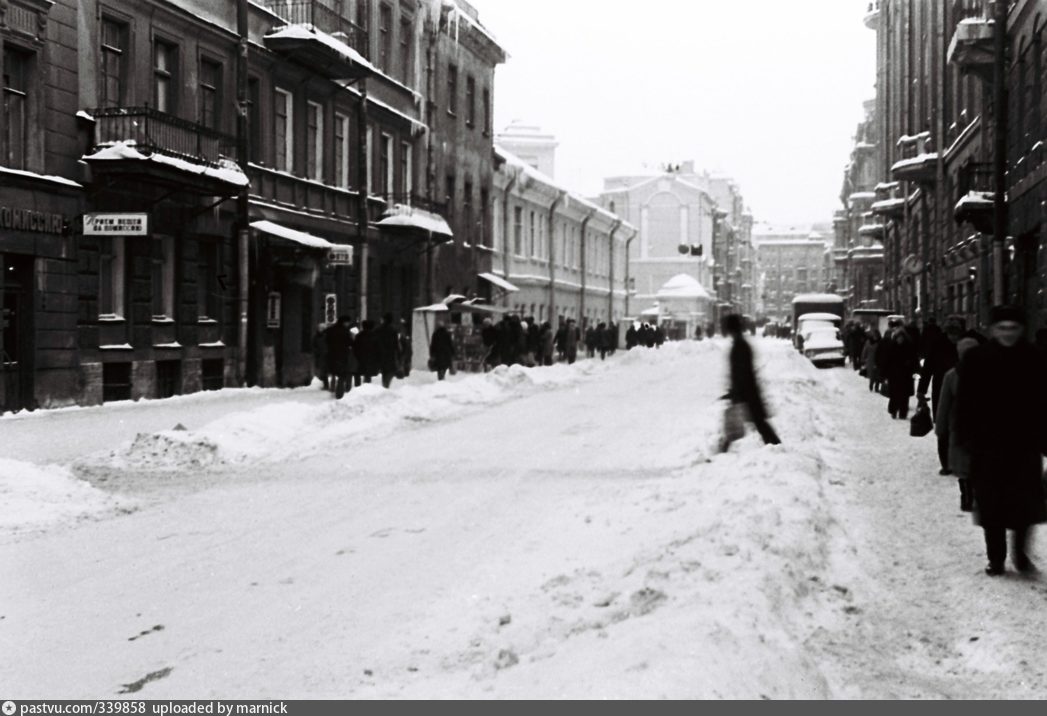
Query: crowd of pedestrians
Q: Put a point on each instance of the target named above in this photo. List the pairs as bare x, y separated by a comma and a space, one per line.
988, 399
349, 353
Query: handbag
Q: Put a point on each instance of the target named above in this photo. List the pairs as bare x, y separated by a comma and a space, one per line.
733, 422
921, 423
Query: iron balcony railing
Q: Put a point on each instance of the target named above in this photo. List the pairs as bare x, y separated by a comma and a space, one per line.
152, 131
326, 16
977, 176
419, 202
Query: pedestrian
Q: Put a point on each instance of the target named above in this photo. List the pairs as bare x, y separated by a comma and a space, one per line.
406, 349
441, 351
945, 426
939, 358
339, 344
533, 343
611, 337
561, 339
320, 369
744, 385
489, 337
364, 350
659, 336
698, 332
547, 343
387, 350
572, 336
1002, 423
591, 341
630, 337
872, 370
897, 360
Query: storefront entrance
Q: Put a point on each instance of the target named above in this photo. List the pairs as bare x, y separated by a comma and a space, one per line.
16, 350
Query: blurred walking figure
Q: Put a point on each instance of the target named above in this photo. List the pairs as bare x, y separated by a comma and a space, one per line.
320, 355
872, 370
744, 387
406, 349
387, 350
945, 426
441, 351
1002, 423
897, 360
572, 335
940, 355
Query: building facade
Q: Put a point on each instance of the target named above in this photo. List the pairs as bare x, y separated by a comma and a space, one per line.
938, 123
563, 255
790, 261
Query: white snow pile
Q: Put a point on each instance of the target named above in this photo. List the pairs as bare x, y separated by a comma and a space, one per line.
35, 497
285, 430
227, 170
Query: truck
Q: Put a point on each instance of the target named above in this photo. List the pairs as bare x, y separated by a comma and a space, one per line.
815, 303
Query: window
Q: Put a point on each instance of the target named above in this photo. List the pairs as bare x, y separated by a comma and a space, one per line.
532, 242
518, 231
485, 202
470, 101
210, 86
405, 50
165, 64
467, 214
406, 171
314, 141
15, 112
386, 166
369, 163
450, 186
163, 275
341, 150
207, 295
283, 130
385, 36
254, 110
563, 246
452, 89
487, 111
111, 276
113, 71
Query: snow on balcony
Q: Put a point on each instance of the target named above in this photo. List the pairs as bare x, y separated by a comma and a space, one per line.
227, 170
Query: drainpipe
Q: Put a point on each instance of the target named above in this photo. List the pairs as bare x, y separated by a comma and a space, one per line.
514, 176
610, 272
243, 230
999, 152
430, 169
627, 277
364, 182
560, 195
581, 308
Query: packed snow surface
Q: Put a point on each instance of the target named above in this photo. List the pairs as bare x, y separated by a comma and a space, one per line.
564, 532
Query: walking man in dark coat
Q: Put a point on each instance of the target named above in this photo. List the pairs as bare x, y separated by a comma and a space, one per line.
441, 351
1002, 423
939, 359
897, 361
339, 344
745, 388
386, 350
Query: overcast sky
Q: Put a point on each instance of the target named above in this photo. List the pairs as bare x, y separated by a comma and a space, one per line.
767, 91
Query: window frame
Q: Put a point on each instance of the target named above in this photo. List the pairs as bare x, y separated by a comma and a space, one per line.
163, 273
112, 269
452, 89
470, 101
214, 89
340, 147
10, 142
284, 156
169, 75
120, 52
314, 140
386, 164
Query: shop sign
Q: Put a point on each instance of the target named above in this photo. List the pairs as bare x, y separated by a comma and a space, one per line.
272, 310
28, 220
340, 255
330, 308
116, 224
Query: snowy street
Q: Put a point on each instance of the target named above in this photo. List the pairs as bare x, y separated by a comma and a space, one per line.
564, 532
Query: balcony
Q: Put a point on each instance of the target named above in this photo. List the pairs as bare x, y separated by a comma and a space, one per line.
976, 205
319, 38
159, 148
872, 15
411, 216
890, 201
919, 162
971, 47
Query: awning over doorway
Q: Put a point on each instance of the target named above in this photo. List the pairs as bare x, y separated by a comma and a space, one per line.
402, 217
499, 282
299, 237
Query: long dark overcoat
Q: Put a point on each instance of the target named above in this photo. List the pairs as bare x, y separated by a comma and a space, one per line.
1002, 423
744, 386
441, 349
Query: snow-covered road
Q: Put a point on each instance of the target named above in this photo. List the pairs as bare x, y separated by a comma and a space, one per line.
561, 532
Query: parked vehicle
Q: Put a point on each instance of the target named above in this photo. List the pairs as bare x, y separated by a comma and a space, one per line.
815, 303
809, 322
822, 346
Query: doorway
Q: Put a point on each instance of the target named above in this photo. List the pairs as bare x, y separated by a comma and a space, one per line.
16, 349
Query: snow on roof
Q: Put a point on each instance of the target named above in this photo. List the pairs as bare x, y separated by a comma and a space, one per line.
682, 285
229, 171
538, 176
828, 298
299, 237
308, 32
401, 215
42, 177
457, 14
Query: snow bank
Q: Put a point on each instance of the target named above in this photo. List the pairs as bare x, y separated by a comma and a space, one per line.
35, 497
